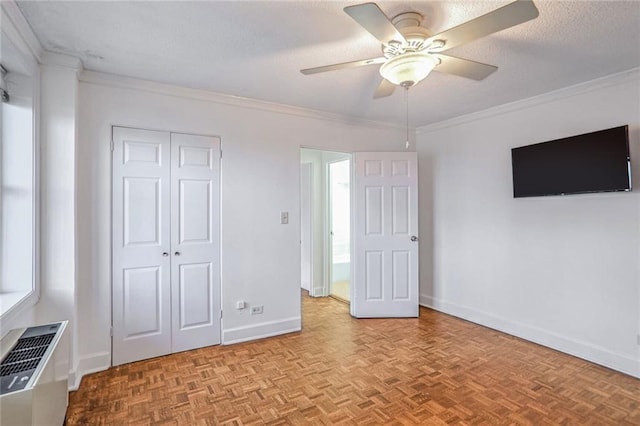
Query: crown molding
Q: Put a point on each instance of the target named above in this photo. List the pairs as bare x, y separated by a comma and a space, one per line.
60, 60
117, 81
16, 27
564, 93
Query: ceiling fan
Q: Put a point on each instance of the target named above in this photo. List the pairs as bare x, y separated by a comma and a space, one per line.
410, 52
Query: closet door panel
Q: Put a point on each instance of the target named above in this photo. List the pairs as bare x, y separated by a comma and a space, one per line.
141, 242
195, 241
194, 296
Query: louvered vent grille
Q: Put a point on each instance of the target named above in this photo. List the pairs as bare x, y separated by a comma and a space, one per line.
26, 354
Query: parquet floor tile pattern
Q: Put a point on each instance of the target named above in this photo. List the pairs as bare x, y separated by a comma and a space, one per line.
434, 370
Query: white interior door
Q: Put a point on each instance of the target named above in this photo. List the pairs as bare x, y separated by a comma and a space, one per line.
141, 245
195, 241
385, 275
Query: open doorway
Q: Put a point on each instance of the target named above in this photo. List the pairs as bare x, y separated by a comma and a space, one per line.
325, 222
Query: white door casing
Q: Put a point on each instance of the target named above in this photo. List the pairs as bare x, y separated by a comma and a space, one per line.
306, 225
166, 274
141, 234
195, 241
385, 268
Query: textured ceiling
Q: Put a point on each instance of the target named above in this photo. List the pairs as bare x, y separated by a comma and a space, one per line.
255, 49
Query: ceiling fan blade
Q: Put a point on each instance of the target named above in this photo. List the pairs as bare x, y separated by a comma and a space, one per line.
343, 65
375, 21
386, 88
463, 67
507, 16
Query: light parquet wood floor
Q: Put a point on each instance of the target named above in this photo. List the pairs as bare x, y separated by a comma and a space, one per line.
434, 370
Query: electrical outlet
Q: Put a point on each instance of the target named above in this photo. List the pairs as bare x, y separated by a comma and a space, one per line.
284, 218
240, 305
255, 310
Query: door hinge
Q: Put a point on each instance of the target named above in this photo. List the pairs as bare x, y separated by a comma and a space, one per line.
220, 314
221, 154
111, 331
111, 145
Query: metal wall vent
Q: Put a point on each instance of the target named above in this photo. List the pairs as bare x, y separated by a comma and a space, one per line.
25, 355
3, 84
21, 362
34, 365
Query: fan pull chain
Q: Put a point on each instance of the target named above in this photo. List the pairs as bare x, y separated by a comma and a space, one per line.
406, 100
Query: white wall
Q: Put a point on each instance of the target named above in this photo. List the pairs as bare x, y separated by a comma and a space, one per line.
318, 207
260, 178
562, 271
59, 91
58, 105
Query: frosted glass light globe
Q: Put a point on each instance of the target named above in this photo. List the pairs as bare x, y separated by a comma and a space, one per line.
408, 69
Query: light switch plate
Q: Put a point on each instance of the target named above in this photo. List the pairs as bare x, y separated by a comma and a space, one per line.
284, 218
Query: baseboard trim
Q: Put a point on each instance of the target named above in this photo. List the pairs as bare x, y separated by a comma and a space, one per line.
93, 363
317, 292
577, 348
261, 330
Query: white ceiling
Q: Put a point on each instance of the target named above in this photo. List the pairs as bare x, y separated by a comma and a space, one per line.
255, 49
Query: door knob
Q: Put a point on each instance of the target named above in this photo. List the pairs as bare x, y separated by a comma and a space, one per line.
414, 238
165, 254
177, 253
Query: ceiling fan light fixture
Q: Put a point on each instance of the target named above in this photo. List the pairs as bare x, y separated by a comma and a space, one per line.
408, 69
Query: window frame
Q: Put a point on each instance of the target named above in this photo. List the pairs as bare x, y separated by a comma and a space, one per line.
16, 303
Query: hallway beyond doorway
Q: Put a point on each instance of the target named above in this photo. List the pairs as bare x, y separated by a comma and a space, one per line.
325, 222
340, 290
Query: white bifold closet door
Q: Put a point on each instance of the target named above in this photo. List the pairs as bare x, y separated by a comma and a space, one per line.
166, 272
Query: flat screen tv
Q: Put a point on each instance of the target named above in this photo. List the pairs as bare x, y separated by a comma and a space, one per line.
593, 162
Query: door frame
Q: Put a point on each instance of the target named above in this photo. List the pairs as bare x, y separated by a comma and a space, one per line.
326, 283
326, 226
309, 219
